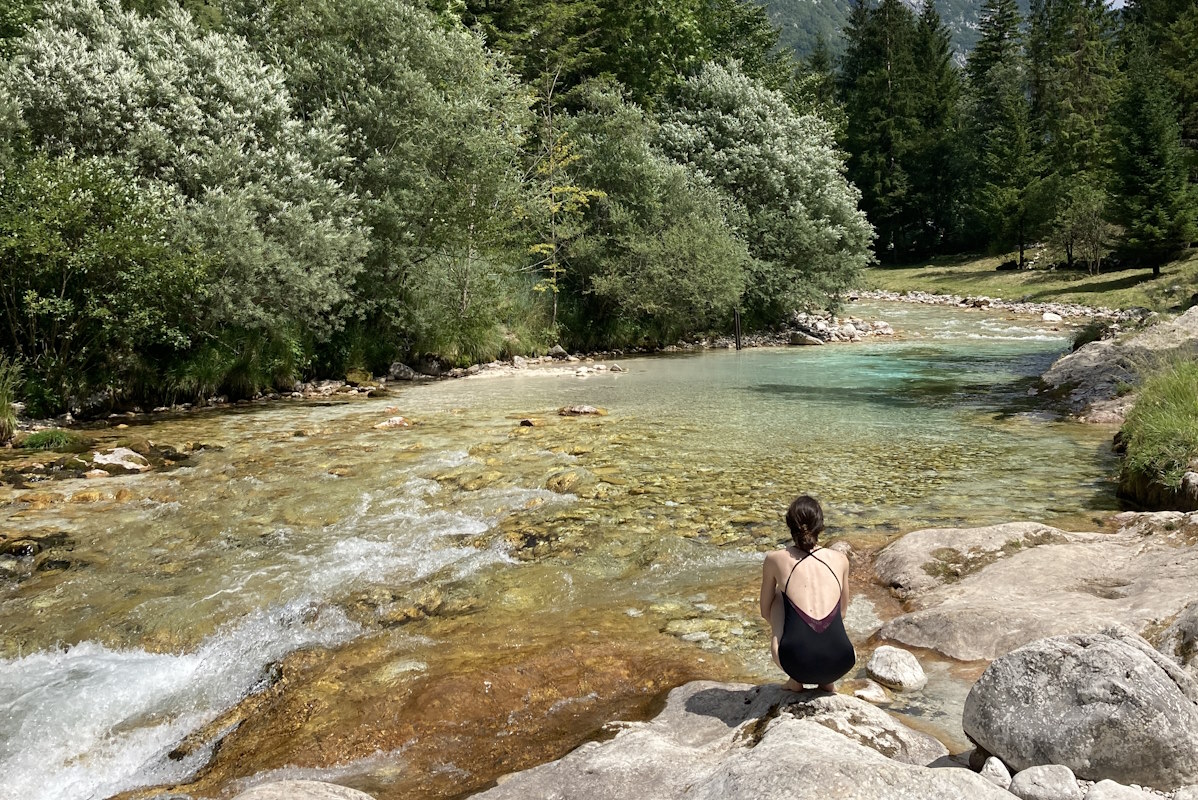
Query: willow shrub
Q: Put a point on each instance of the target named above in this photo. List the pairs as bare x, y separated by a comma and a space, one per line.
1161, 432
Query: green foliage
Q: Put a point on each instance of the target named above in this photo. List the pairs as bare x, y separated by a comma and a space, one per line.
239, 364
200, 113
801, 224
15, 18
1161, 431
655, 259
57, 440
434, 126
1080, 228
1154, 200
10, 380
87, 276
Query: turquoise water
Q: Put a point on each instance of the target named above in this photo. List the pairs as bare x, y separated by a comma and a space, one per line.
312, 529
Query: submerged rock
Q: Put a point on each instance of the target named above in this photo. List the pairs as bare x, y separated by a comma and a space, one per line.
581, 411
724, 741
1105, 705
302, 790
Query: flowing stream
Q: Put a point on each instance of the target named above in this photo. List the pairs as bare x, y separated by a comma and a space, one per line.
473, 560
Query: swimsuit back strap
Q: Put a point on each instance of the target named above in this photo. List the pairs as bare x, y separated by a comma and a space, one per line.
834, 575
792, 571
820, 560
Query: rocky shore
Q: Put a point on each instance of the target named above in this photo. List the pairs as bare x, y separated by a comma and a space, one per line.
1050, 312
1091, 691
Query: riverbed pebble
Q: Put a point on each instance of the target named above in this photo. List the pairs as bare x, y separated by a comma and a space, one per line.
896, 669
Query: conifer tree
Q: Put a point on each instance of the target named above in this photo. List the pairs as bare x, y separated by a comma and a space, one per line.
878, 83
1005, 162
1155, 202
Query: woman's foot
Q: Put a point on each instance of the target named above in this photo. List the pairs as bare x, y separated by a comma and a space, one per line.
828, 687
792, 686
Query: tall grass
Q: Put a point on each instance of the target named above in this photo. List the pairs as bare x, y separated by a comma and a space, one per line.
10, 379
1161, 432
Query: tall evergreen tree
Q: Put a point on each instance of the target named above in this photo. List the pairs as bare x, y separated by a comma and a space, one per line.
935, 162
1155, 202
1074, 72
879, 89
1006, 166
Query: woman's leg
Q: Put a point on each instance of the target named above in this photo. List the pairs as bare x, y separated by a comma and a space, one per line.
777, 621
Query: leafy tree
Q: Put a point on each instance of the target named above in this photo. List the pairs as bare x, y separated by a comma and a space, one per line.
1080, 228
15, 18
655, 259
1154, 200
202, 114
434, 127
804, 232
90, 287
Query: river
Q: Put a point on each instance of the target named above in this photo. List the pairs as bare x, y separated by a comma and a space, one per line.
416, 611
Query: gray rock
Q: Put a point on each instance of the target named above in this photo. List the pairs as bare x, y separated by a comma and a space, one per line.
400, 371
519, 362
559, 352
1099, 370
975, 594
719, 741
302, 790
896, 669
1186, 793
801, 338
874, 693
996, 772
1105, 705
1109, 790
1050, 782
1180, 639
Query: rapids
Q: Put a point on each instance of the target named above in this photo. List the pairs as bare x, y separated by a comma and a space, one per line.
324, 599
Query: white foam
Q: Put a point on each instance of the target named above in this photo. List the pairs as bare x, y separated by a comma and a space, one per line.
89, 721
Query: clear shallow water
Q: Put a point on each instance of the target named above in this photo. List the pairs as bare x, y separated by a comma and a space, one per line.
469, 529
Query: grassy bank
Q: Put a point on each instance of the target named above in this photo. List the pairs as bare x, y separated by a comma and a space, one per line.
1161, 436
973, 275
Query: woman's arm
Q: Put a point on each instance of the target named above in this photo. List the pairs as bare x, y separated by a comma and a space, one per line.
844, 587
769, 587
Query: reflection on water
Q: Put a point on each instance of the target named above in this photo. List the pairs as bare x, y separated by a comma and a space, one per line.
311, 529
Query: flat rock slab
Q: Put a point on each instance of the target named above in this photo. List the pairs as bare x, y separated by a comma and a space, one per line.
975, 594
302, 790
732, 741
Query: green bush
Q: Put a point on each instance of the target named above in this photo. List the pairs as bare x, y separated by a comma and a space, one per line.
56, 439
1093, 330
10, 379
1161, 432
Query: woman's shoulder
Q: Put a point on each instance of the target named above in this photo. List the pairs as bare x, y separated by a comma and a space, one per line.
834, 557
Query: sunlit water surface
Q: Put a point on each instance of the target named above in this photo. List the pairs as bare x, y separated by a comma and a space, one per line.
312, 529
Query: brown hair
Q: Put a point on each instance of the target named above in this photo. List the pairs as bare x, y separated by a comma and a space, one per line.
805, 519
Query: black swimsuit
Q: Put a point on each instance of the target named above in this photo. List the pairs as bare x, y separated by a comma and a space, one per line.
813, 650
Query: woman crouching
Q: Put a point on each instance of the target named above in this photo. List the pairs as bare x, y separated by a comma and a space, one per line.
804, 594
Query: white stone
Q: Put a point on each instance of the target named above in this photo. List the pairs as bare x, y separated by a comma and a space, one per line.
873, 692
122, 457
1051, 782
896, 669
1049, 316
1186, 793
996, 772
1109, 790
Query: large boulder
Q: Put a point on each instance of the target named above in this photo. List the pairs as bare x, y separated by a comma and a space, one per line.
734, 741
1099, 371
1105, 705
974, 594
